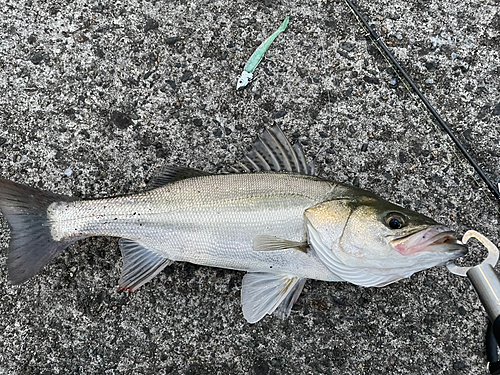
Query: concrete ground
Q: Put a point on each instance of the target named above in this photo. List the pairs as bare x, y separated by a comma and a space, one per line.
97, 96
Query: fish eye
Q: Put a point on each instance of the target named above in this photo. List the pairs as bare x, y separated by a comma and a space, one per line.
395, 220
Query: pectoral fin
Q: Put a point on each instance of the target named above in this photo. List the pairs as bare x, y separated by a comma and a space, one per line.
271, 243
264, 293
140, 265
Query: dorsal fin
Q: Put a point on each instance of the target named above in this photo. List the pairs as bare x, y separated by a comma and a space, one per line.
171, 174
273, 152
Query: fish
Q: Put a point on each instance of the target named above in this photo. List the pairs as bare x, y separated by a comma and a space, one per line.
269, 215
254, 60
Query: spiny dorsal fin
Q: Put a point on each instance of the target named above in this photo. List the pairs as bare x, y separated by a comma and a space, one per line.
171, 174
272, 152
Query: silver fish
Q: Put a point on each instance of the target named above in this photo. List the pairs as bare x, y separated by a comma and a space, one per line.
280, 224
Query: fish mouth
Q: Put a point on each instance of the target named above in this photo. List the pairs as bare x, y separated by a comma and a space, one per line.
435, 239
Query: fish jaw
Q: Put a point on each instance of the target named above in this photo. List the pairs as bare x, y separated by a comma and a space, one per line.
435, 239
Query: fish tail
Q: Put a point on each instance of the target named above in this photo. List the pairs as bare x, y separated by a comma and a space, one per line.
31, 244
284, 25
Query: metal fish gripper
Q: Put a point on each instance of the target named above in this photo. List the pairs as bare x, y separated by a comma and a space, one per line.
487, 285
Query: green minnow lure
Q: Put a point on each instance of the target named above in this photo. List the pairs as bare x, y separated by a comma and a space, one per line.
254, 60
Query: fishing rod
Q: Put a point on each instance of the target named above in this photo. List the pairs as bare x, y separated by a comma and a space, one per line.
398, 69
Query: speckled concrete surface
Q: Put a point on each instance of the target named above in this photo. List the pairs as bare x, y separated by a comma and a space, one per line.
96, 96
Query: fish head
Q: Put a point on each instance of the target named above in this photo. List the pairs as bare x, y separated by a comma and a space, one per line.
371, 242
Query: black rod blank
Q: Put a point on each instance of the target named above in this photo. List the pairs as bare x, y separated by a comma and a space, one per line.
438, 118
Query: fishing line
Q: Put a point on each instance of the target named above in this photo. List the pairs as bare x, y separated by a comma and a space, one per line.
399, 71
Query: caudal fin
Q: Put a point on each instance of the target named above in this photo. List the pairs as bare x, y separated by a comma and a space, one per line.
31, 244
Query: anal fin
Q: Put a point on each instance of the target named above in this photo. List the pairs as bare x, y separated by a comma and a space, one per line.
140, 264
264, 293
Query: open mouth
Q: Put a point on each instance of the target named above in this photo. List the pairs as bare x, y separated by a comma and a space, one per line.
437, 239
443, 237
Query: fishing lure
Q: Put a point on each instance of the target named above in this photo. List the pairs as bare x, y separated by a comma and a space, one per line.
254, 60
